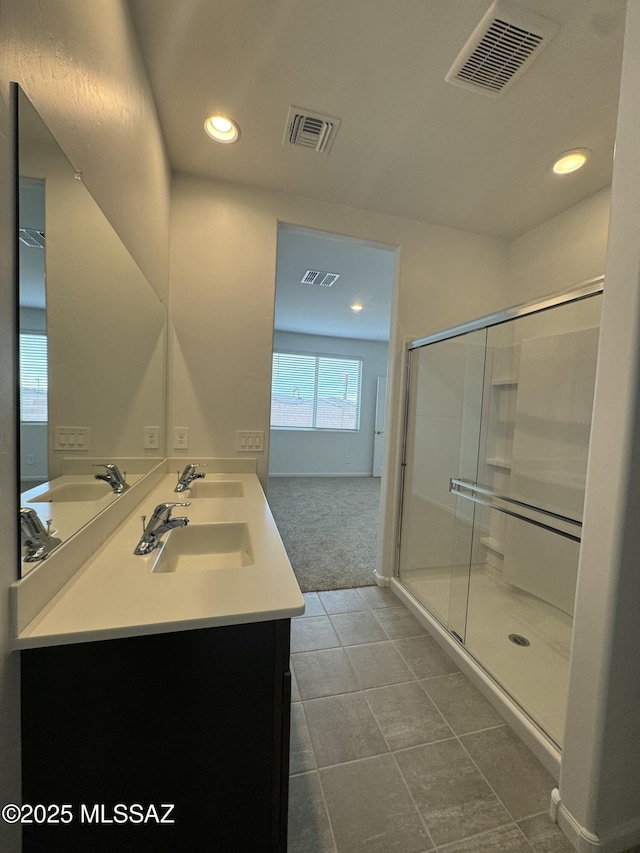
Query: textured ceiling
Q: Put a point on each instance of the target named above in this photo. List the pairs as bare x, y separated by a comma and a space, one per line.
409, 144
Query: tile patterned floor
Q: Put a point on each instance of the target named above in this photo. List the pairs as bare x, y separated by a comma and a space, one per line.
393, 750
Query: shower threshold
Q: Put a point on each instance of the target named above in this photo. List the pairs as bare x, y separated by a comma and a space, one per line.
541, 743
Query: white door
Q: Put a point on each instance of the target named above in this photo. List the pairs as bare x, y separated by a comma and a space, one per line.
378, 438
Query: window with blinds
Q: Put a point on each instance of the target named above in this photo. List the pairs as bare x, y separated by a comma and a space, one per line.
315, 392
33, 378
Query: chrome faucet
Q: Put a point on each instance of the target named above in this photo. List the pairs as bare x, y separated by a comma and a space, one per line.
158, 525
38, 539
189, 475
113, 476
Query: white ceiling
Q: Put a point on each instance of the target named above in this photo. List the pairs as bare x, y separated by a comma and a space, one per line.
366, 276
409, 144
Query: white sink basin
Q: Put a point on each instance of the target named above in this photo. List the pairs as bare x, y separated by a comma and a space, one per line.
91, 491
205, 547
215, 489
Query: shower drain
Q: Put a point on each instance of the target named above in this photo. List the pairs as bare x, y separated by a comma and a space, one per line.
519, 640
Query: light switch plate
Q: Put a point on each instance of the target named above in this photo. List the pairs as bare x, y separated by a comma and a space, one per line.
71, 438
250, 441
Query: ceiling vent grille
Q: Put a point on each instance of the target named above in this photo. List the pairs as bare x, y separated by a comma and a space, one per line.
307, 129
32, 238
502, 46
324, 279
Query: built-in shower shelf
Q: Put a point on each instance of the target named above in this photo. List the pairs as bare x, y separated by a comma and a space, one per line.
504, 382
493, 545
497, 462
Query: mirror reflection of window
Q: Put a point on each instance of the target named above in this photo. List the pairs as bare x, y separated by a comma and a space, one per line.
33, 334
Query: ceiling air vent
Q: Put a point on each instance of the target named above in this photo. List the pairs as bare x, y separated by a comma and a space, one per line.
32, 238
310, 130
502, 46
324, 279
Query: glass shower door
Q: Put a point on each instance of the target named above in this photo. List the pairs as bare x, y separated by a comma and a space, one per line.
496, 448
442, 441
528, 500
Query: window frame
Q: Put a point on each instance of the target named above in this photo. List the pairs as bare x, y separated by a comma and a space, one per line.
32, 333
317, 356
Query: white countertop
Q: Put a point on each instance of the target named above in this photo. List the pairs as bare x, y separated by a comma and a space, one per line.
67, 517
115, 594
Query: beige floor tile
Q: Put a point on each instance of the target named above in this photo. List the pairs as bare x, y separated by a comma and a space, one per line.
301, 756
507, 839
377, 597
313, 632
461, 704
453, 798
398, 622
515, 774
324, 673
544, 836
309, 827
312, 605
361, 627
406, 716
370, 809
425, 657
342, 601
343, 729
378, 664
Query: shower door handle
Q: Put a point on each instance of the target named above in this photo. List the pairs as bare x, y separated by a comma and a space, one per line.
457, 487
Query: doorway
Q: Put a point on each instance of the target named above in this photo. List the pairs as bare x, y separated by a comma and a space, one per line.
330, 355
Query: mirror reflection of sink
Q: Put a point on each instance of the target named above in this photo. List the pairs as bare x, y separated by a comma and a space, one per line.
215, 489
91, 491
205, 547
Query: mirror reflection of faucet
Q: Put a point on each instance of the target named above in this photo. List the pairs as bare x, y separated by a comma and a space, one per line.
113, 476
189, 475
39, 540
161, 521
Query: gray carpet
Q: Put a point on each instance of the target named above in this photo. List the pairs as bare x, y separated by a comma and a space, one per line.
329, 526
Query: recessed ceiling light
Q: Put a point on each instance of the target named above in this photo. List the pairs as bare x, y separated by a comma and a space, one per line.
356, 307
569, 161
221, 128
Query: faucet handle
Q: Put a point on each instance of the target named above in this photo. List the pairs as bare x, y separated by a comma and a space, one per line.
163, 510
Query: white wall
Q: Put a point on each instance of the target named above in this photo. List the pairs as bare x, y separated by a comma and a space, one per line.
562, 252
600, 777
223, 258
324, 452
80, 67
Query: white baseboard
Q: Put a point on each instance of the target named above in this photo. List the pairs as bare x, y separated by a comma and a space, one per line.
381, 580
624, 837
546, 753
327, 474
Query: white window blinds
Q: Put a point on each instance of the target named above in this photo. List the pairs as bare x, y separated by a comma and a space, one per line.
315, 392
33, 378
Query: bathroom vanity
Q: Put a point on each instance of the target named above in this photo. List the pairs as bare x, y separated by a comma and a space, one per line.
156, 688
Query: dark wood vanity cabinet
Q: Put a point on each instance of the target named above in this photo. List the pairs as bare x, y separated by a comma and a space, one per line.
118, 730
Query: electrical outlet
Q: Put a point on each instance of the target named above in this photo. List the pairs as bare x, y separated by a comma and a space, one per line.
181, 438
347, 460
151, 438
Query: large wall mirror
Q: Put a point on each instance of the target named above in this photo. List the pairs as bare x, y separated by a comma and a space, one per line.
92, 343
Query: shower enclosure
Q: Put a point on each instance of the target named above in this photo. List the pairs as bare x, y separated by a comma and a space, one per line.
495, 454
